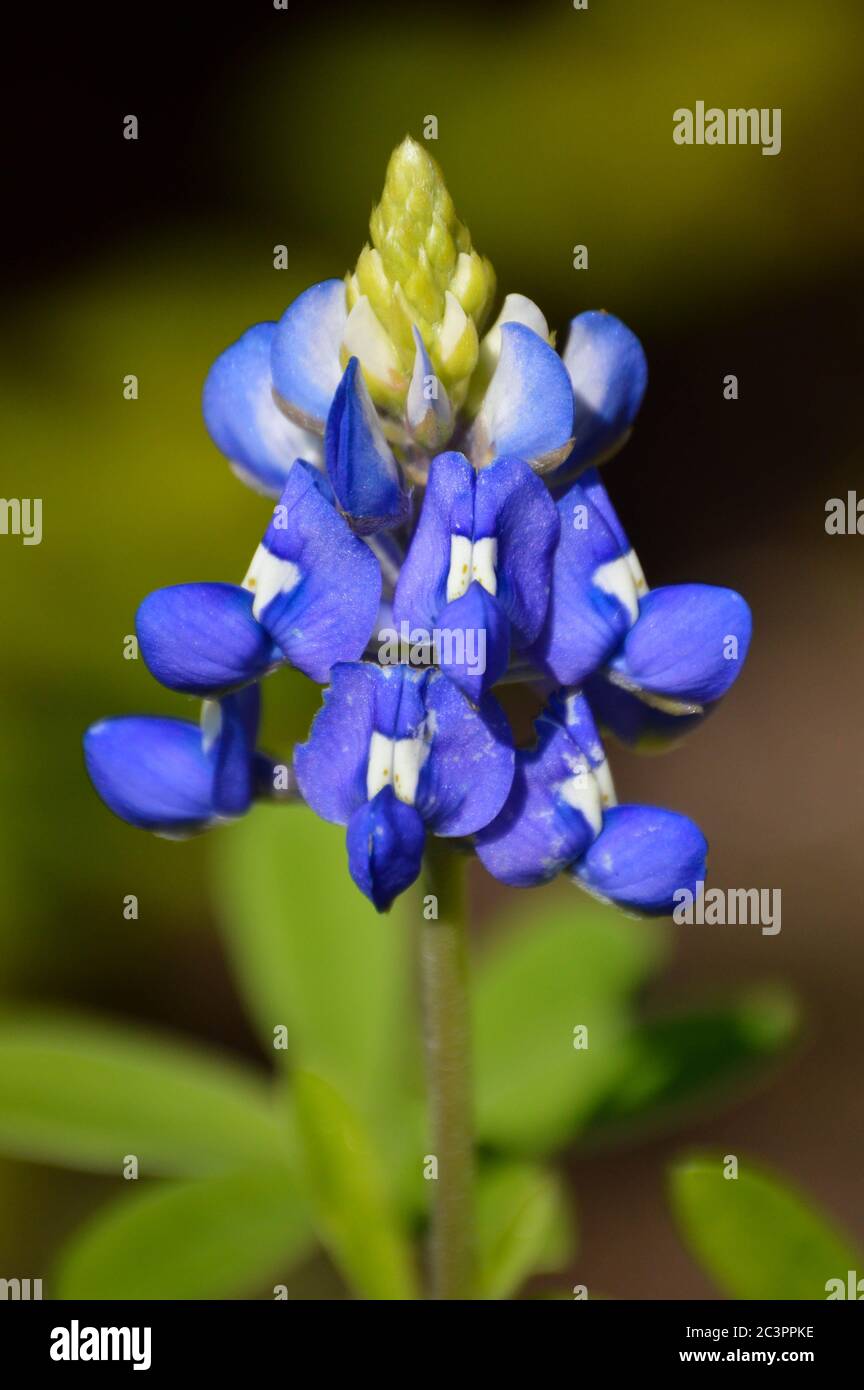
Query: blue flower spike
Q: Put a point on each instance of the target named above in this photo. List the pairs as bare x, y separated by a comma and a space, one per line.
441, 529
396, 752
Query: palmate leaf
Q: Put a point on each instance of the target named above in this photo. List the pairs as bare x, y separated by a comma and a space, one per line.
345, 1181
84, 1094
673, 1063
524, 1226
568, 963
313, 955
216, 1237
755, 1235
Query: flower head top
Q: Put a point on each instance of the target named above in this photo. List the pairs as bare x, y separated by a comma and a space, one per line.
438, 483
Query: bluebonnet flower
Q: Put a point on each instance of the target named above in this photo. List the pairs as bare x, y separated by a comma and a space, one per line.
396, 751
175, 777
671, 652
561, 816
442, 476
480, 561
309, 598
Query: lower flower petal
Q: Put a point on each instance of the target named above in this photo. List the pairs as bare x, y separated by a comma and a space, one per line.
688, 644
153, 773
473, 641
385, 842
635, 723
465, 780
202, 639
642, 857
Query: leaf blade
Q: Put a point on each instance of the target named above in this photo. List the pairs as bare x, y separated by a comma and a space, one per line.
540, 981
84, 1093
210, 1239
321, 962
756, 1235
524, 1226
343, 1178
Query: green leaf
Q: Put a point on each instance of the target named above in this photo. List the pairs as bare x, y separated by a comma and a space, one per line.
675, 1061
84, 1094
314, 956
215, 1238
524, 1226
575, 966
755, 1235
345, 1182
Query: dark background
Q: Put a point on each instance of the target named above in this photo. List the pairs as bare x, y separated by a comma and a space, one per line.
260, 127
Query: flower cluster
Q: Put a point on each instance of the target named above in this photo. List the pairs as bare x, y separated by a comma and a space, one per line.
439, 484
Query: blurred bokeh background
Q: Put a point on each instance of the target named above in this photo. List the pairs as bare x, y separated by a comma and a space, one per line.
261, 127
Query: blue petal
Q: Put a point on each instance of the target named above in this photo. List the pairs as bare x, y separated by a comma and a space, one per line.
593, 600
609, 373
468, 773
304, 357
514, 506
233, 749
528, 407
638, 725
448, 510
473, 641
571, 710
642, 857
317, 587
385, 847
505, 503
400, 708
465, 754
245, 422
592, 484
544, 825
153, 773
360, 463
331, 764
688, 645
428, 412
202, 638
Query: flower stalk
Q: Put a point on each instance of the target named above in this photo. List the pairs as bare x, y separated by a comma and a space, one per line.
447, 1031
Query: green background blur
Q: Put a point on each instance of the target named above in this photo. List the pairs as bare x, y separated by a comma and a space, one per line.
261, 127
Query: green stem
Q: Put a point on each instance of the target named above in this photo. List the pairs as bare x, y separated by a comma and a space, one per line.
444, 962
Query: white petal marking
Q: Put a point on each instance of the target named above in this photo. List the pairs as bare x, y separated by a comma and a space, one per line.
616, 579
268, 576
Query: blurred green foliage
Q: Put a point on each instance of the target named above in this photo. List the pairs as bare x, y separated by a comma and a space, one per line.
330, 1149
